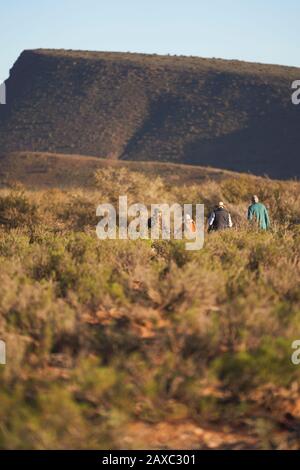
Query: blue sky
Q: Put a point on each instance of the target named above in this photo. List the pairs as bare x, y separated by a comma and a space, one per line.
254, 30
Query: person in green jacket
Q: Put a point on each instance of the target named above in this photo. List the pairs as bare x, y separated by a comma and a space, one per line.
258, 212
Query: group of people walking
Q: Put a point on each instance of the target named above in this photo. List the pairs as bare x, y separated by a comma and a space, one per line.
220, 218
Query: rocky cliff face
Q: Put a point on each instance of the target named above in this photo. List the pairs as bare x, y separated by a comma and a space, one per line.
226, 114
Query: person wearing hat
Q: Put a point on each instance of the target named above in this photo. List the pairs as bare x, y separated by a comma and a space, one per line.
258, 212
220, 218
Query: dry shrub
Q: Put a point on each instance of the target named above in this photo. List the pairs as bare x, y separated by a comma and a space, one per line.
114, 182
142, 326
16, 210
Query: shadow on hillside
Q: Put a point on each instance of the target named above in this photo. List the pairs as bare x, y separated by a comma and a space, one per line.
262, 149
267, 146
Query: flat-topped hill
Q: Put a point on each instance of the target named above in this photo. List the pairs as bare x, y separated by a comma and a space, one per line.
226, 114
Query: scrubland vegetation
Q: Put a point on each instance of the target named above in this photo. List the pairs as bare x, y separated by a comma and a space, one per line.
105, 338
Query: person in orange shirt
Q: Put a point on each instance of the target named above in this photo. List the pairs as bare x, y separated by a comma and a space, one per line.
189, 224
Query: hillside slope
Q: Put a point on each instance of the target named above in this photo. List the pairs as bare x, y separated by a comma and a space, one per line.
226, 114
57, 170
142, 344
